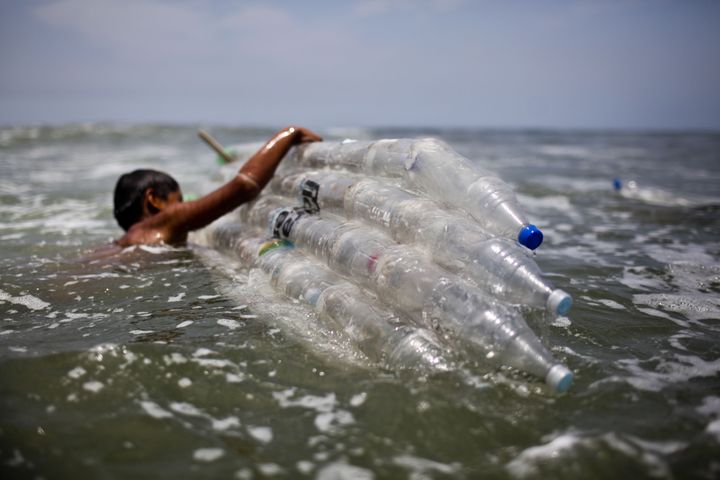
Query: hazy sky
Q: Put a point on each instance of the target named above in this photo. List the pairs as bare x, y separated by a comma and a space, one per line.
487, 63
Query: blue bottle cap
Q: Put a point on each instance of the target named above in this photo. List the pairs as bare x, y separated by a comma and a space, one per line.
530, 236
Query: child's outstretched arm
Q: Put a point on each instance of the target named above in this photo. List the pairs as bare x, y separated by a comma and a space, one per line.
172, 224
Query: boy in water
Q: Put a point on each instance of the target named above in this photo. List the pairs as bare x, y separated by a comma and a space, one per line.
149, 204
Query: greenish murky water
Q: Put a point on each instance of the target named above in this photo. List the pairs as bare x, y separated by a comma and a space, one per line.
162, 362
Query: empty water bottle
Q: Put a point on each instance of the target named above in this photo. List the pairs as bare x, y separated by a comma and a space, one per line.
431, 166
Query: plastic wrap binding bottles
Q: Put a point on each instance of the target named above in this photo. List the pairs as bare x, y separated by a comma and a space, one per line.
455, 242
377, 332
431, 166
405, 278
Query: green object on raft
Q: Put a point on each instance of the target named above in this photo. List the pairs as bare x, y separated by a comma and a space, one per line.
229, 152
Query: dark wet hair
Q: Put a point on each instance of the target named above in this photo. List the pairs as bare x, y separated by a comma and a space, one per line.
130, 193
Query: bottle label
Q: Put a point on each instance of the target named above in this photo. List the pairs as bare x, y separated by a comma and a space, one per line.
283, 220
272, 245
309, 195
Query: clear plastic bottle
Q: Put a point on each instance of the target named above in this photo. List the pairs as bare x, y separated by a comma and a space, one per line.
431, 166
377, 332
455, 241
407, 279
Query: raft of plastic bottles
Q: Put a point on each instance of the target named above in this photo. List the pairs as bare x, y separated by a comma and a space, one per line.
411, 250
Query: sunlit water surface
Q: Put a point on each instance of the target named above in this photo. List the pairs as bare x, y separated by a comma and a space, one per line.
178, 363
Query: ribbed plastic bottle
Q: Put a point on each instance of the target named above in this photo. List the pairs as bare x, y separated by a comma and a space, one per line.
431, 166
408, 280
455, 242
376, 331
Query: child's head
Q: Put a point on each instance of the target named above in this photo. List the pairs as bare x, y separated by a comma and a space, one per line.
138, 194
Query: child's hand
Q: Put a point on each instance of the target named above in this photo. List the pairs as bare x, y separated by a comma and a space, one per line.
303, 135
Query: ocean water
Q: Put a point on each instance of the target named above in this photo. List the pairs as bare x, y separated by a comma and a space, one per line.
177, 362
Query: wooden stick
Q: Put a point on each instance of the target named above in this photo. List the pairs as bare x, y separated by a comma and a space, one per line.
215, 145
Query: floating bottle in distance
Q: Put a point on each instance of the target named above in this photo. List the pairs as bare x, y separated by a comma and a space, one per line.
455, 242
377, 332
434, 298
431, 166
656, 196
